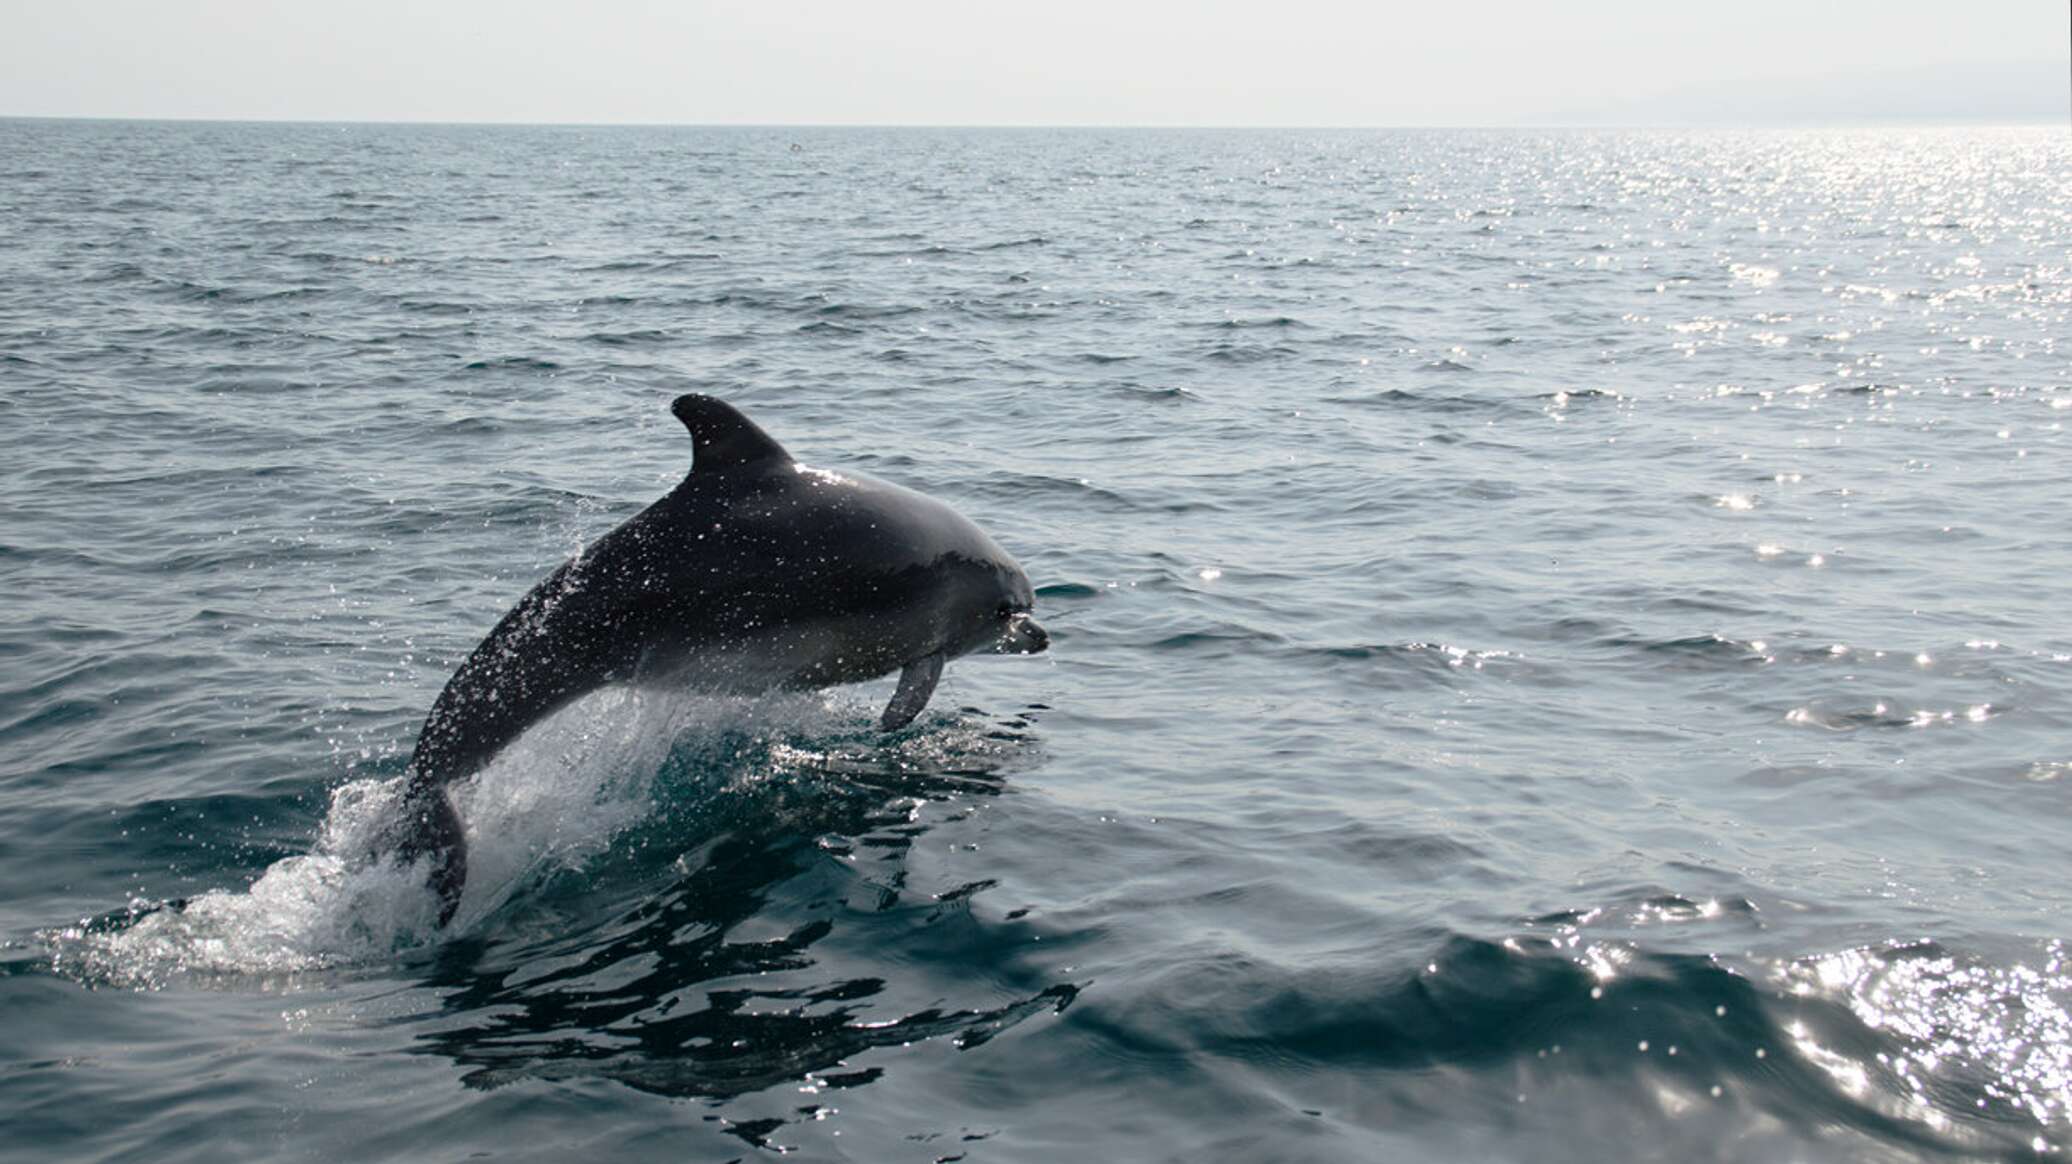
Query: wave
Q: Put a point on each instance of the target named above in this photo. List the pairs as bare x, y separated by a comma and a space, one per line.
512, 363
1034, 240
1270, 322
625, 338
1902, 1046
1247, 353
1425, 402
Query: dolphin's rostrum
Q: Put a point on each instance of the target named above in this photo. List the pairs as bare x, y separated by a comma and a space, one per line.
756, 573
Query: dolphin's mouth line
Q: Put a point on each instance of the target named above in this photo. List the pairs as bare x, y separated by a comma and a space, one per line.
1022, 636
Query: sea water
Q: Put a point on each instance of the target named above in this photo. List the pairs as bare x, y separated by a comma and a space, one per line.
1561, 645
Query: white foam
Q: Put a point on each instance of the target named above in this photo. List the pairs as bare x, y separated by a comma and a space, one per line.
549, 803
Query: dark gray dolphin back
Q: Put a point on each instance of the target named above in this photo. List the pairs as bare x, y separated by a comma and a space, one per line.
530, 663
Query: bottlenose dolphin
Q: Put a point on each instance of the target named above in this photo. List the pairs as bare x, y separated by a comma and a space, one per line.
755, 574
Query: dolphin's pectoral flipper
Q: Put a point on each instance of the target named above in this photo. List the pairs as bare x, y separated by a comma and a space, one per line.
916, 684
432, 827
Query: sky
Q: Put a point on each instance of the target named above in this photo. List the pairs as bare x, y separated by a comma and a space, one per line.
1059, 62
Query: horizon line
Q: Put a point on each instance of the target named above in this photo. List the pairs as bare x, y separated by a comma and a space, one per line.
1839, 122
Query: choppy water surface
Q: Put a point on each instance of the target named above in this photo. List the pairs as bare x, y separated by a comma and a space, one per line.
1561, 645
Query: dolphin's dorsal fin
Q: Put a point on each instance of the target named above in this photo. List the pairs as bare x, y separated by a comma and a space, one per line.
722, 438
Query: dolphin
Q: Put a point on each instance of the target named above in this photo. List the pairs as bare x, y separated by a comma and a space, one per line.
757, 573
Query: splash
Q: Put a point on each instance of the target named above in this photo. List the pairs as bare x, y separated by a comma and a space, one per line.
551, 803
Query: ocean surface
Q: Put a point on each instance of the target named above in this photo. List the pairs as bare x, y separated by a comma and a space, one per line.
1562, 646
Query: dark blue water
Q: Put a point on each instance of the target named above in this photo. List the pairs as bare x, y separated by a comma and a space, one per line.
1561, 645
